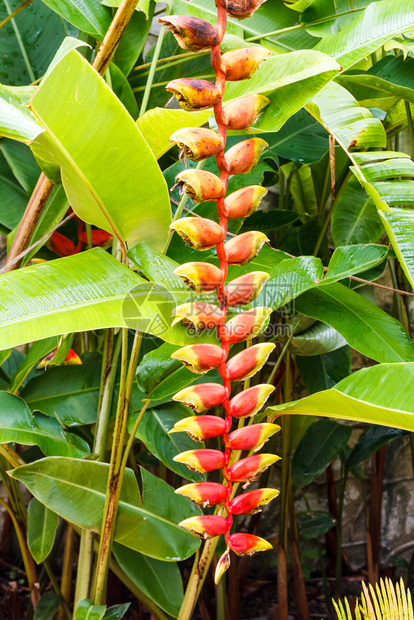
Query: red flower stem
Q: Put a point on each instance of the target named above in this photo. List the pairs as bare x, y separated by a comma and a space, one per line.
221, 252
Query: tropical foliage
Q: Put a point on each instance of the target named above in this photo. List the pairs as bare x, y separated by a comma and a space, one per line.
95, 308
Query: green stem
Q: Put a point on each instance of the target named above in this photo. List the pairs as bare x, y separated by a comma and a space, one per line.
281, 189
185, 57
116, 470
11, 456
324, 191
108, 374
197, 579
329, 215
133, 433
177, 61
281, 356
150, 79
179, 211
89, 235
112, 491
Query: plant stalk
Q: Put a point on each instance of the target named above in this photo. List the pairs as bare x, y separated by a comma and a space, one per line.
116, 471
153, 67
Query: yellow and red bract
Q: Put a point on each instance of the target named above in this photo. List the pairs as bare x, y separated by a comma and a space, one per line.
200, 358
252, 437
246, 363
250, 401
202, 460
252, 502
204, 493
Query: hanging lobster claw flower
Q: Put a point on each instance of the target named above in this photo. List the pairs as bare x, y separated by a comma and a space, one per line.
205, 526
194, 94
197, 143
242, 113
200, 277
244, 202
241, 9
246, 325
191, 33
243, 156
243, 248
249, 361
198, 232
200, 358
252, 502
204, 493
202, 427
245, 288
201, 397
248, 544
250, 401
243, 63
202, 460
198, 315
200, 185
250, 468
222, 565
252, 437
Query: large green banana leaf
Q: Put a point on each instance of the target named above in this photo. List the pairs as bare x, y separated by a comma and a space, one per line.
84, 292
386, 176
379, 23
109, 172
378, 395
76, 489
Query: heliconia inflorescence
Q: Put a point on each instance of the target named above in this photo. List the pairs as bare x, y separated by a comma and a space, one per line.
203, 234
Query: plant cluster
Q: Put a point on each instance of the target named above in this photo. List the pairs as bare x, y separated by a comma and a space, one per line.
147, 245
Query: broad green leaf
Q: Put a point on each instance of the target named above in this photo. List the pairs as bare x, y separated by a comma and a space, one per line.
399, 225
66, 291
290, 80
293, 276
392, 75
314, 523
91, 17
158, 124
26, 51
379, 23
69, 392
53, 213
267, 221
17, 123
116, 612
321, 372
321, 444
76, 490
300, 139
355, 218
376, 395
18, 425
351, 125
385, 175
303, 191
153, 431
159, 375
365, 327
84, 292
86, 611
133, 40
37, 352
16, 199
115, 183
21, 162
47, 607
41, 528
159, 497
161, 581
122, 90
371, 440
317, 340
350, 259
326, 17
